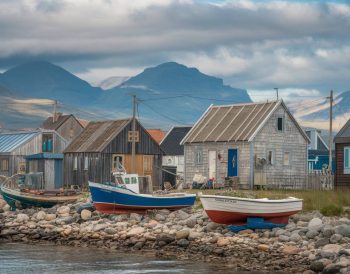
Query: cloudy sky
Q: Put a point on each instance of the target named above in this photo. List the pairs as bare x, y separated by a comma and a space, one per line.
302, 47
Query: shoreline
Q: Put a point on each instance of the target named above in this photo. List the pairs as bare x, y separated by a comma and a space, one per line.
310, 243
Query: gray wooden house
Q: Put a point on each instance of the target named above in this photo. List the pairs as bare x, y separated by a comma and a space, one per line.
342, 157
248, 144
94, 155
16, 146
67, 126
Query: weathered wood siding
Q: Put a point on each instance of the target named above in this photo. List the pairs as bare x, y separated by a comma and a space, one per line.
70, 129
341, 180
192, 168
289, 140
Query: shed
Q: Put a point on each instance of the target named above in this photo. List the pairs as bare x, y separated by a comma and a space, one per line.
15, 146
342, 157
51, 165
249, 145
67, 126
94, 155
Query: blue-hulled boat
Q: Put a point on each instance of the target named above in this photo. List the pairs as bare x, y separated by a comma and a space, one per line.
124, 197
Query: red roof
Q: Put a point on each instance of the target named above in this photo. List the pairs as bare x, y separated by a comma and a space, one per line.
157, 134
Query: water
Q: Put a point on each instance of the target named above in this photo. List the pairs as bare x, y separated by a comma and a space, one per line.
21, 258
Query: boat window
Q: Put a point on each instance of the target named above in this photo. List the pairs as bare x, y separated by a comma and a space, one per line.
133, 180
127, 180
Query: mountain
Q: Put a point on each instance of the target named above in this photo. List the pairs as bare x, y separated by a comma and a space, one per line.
111, 82
42, 79
168, 94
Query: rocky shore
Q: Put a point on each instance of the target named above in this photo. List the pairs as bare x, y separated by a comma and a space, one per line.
310, 243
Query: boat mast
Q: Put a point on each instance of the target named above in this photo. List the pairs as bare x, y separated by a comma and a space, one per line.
133, 160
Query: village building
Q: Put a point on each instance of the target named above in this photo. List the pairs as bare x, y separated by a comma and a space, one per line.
98, 151
342, 157
157, 134
17, 146
68, 126
249, 145
174, 158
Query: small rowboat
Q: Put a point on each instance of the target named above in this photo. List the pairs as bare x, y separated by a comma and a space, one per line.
235, 211
124, 197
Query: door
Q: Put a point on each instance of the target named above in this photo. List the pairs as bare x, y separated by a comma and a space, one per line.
58, 174
232, 163
212, 164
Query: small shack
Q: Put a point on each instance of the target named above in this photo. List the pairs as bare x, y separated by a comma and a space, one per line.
16, 146
174, 159
247, 145
67, 126
96, 153
342, 157
50, 165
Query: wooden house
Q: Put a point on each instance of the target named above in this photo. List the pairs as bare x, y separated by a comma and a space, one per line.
247, 145
94, 155
342, 157
174, 159
15, 147
67, 126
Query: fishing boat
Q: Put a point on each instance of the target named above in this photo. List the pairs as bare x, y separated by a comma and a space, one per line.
123, 196
236, 211
19, 197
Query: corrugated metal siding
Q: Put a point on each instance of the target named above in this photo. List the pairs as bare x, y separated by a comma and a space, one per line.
9, 142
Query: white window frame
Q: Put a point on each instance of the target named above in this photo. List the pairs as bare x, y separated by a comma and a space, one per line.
347, 167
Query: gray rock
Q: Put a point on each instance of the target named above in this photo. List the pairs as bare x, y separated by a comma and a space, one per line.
321, 242
311, 234
295, 237
331, 269
283, 238
182, 234
62, 210
191, 222
65, 220
110, 230
218, 251
315, 224
280, 232
336, 238
167, 238
343, 230
22, 218
136, 217
85, 214
183, 243
328, 231
317, 266
330, 250
160, 217
211, 226
182, 215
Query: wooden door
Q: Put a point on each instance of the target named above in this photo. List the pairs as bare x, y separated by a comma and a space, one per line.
212, 164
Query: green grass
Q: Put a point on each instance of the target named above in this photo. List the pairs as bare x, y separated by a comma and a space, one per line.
331, 203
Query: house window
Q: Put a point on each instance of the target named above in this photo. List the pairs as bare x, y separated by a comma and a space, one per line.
117, 162
4, 165
198, 157
271, 157
346, 160
286, 158
280, 123
86, 163
47, 142
75, 164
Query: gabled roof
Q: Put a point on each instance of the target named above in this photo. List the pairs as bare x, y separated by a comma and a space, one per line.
11, 141
171, 142
344, 133
61, 119
232, 123
97, 135
156, 133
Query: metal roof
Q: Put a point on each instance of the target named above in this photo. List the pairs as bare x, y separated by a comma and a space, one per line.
171, 142
232, 123
11, 141
45, 155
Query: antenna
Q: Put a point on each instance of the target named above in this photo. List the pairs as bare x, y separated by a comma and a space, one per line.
276, 89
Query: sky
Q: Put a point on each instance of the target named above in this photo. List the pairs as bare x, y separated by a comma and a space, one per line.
301, 47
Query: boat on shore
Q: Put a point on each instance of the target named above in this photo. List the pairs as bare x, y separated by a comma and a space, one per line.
124, 197
21, 197
235, 211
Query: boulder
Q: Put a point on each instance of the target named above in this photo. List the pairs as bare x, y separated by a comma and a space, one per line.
321, 242
135, 217
317, 266
85, 214
330, 250
211, 226
315, 224
50, 217
223, 241
290, 249
22, 218
182, 234
99, 227
295, 237
331, 269
283, 238
41, 215
191, 222
65, 220
164, 237
327, 231
135, 231
336, 238
110, 230
343, 230
311, 234
183, 243
263, 247
194, 235
159, 217
182, 215
63, 210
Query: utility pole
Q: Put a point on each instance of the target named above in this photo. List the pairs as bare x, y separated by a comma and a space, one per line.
276, 89
330, 130
133, 146
54, 111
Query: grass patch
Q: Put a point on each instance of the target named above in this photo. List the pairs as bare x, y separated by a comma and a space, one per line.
331, 203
